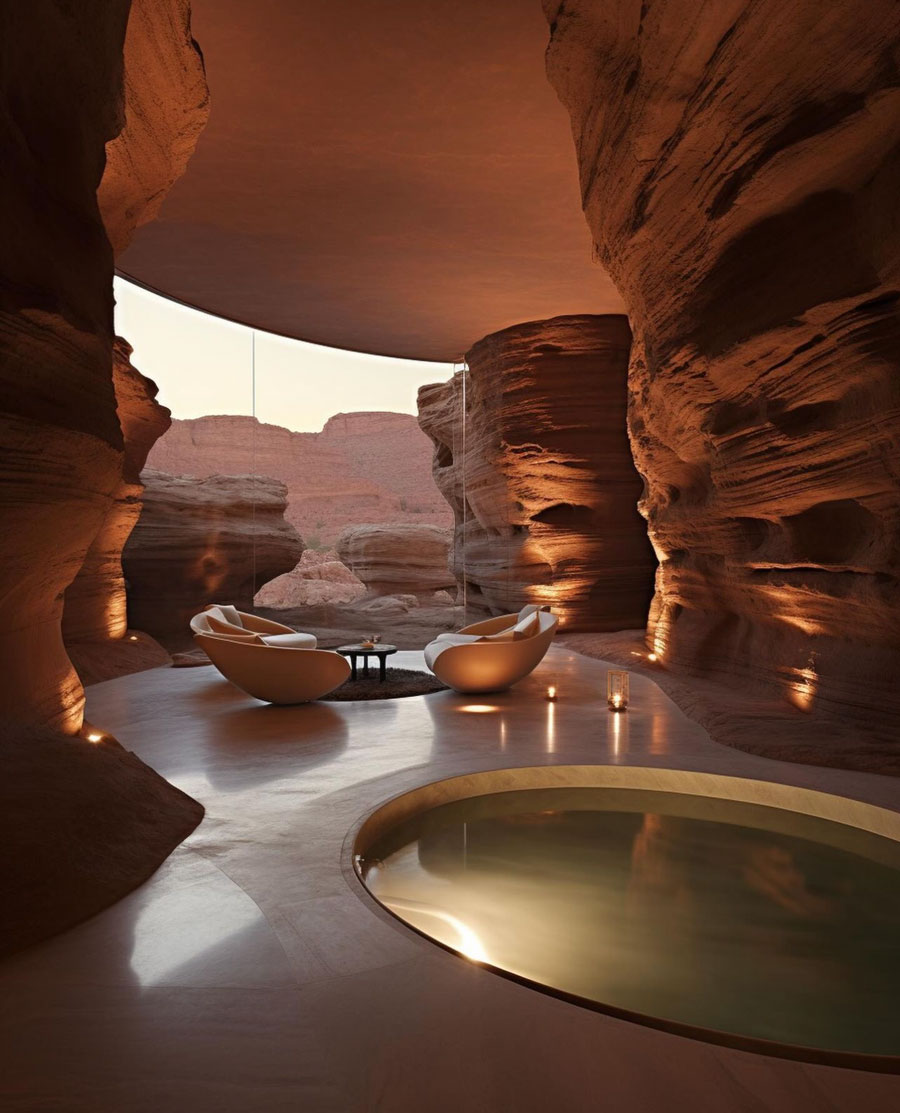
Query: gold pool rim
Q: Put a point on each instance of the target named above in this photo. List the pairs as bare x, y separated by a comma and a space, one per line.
807, 801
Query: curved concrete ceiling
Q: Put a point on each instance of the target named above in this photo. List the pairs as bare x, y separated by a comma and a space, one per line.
391, 177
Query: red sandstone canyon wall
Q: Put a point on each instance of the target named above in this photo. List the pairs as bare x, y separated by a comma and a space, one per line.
362, 467
82, 821
60, 441
541, 482
61, 445
95, 604
740, 167
165, 109
94, 623
201, 541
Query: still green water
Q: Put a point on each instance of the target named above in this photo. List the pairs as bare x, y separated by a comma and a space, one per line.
741, 918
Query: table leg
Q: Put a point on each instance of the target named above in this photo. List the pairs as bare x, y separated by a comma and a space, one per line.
382, 663
352, 666
365, 658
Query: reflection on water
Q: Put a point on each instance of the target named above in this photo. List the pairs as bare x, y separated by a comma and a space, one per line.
735, 917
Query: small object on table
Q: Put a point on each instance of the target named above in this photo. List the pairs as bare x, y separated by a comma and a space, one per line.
352, 652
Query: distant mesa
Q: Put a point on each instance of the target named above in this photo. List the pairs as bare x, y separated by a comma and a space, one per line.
361, 468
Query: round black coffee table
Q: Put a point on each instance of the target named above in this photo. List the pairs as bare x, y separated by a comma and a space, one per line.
382, 652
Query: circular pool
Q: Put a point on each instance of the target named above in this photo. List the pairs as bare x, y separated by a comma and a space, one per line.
703, 911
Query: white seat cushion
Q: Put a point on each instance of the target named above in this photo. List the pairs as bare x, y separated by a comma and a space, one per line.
230, 614
291, 641
527, 626
222, 626
529, 608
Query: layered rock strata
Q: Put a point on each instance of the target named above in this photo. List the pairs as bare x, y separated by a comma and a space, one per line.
165, 109
95, 615
62, 446
361, 467
541, 479
60, 442
201, 541
398, 559
81, 822
95, 601
739, 167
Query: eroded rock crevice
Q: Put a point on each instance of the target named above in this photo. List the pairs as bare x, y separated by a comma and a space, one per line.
83, 820
540, 475
755, 241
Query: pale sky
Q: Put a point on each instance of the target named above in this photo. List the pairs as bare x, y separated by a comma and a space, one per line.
202, 365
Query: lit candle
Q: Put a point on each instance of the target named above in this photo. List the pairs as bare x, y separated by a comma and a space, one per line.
617, 690
551, 693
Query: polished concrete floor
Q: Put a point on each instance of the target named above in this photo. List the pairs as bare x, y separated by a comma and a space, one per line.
253, 974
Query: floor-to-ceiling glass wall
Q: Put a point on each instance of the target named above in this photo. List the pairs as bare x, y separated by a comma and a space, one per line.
294, 478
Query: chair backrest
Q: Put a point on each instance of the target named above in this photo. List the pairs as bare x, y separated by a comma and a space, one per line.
275, 674
491, 666
200, 622
547, 620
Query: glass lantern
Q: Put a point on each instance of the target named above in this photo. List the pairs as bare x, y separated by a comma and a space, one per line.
617, 690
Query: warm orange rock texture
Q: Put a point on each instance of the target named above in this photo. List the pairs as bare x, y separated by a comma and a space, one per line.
60, 441
541, 479
61, 448
81, 822
165, 110
95, 614
201, 541
740, 169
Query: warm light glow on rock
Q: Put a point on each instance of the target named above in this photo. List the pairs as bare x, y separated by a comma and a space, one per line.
805, 624
801, 687
541, 477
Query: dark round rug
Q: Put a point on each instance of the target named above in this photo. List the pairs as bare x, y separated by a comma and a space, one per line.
397, 683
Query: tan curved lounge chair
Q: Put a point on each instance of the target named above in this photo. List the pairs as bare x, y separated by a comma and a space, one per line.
231, 622
469, 664
275, 673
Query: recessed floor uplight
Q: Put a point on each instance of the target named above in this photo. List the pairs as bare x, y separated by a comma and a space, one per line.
94, 737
